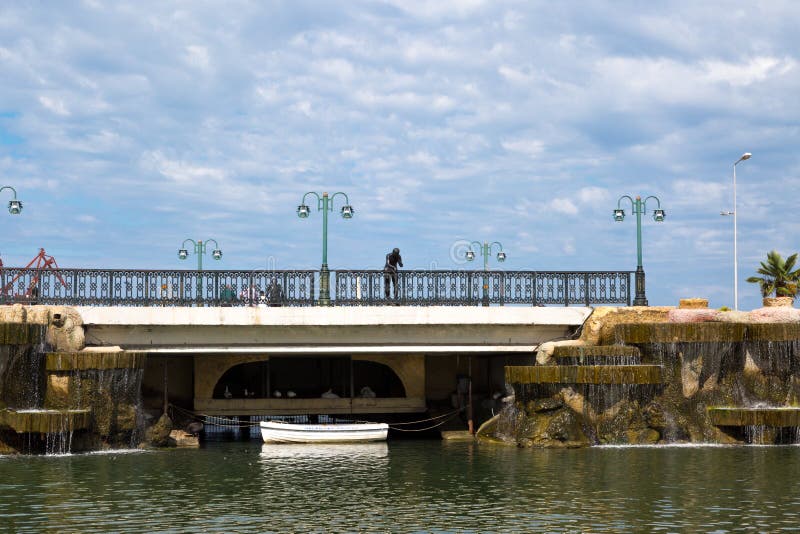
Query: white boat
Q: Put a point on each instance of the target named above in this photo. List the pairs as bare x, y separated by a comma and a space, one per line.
280, 432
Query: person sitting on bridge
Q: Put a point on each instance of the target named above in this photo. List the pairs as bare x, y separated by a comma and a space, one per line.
249, 295
275, 293
393, 259
227, 295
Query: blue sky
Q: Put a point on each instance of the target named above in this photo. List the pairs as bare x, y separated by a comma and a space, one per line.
127, 127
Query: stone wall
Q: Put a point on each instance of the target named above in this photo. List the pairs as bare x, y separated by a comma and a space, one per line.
717, 368
58, 396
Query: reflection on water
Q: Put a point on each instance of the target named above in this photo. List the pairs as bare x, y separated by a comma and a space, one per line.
414, 486
348, 452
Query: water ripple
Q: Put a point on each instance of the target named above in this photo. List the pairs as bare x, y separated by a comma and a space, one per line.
416, 486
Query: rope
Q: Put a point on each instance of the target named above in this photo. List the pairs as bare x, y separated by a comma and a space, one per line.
430, 418
235, 423
213, 419
440, 423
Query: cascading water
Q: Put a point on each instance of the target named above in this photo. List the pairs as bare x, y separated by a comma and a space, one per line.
111, 393
21, 384
723, 382
55, 403
22, 369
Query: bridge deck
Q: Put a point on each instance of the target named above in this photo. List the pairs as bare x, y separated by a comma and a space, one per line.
354, 329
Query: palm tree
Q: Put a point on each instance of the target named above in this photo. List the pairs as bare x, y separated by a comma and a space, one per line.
777, 276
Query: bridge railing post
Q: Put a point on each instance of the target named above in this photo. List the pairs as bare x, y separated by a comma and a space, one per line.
110, 282
586, 288
628, 289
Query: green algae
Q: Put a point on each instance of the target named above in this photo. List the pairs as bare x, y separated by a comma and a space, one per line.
45, 421
641, 333
21, 333
584, 374
82, 361
567, 351
773, 331
770, 416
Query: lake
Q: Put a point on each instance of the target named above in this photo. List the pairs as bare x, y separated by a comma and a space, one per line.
404, 486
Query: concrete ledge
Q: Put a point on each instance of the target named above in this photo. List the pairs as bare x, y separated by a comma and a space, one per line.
334, 316
773, 417
209, 328
584, 374
82, 361
21, 333
644, 333
45, 421
346, 349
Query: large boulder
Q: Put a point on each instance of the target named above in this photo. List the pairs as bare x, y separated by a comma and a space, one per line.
599, 328
179, 438
65, 332
158, 434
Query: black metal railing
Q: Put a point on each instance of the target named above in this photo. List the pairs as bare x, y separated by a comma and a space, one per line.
108, 287
465, 288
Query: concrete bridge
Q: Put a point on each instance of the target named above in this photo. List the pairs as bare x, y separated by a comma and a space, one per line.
237, 360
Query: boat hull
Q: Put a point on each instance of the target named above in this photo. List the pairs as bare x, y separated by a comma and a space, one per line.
277, 432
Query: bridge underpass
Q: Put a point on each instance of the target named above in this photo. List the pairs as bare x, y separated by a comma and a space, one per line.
410, 357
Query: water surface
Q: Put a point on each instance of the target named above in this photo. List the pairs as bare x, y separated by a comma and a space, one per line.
405, 486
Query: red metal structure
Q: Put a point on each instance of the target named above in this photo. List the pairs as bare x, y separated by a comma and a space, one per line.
37, 265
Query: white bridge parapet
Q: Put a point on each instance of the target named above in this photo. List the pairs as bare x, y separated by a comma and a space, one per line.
329, 329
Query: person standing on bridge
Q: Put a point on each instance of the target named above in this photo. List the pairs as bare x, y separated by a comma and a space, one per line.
393, 259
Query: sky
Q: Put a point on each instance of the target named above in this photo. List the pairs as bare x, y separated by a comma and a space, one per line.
128, 127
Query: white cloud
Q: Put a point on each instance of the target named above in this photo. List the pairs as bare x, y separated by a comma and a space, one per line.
702, 193
56, 105
423, 158
593, 195
530, 147
268, 93
746, 73
424, 51
197, 56
442, 103
180, 171
562, 205
515, 75
303, 107
338, 68
440, 9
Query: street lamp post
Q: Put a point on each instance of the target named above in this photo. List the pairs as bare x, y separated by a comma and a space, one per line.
199, 251
745, 156
486, 251
639, 207
14, 205
324, 204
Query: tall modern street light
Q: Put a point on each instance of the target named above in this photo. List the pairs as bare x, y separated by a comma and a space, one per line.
14, 205
199, 251
639, 207
745, 156
486, 251
324, 204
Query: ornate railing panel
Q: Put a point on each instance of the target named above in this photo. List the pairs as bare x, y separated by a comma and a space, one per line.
464, 288
106, 287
